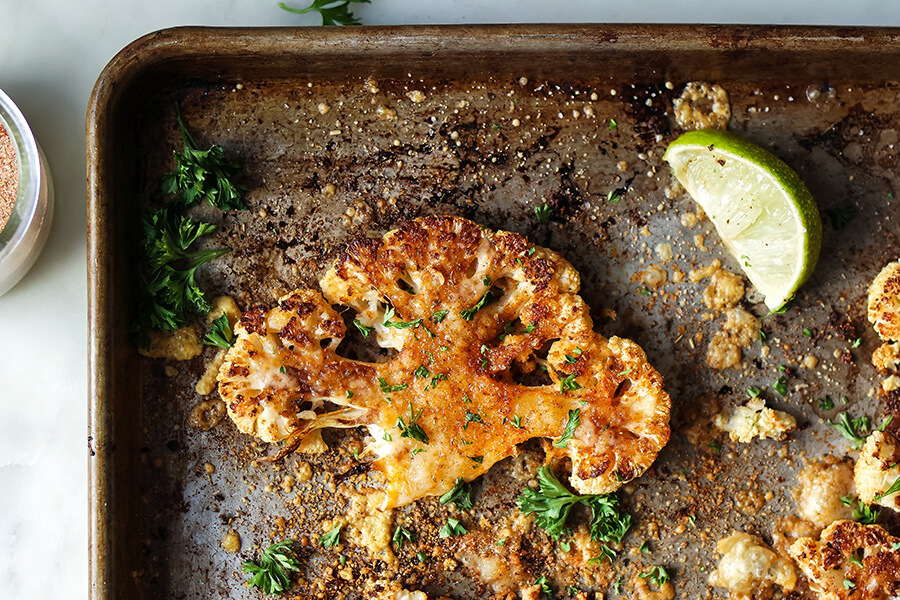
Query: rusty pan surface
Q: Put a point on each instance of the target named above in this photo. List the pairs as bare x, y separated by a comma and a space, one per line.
346, 133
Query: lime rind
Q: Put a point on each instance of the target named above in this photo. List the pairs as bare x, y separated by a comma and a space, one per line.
763, 211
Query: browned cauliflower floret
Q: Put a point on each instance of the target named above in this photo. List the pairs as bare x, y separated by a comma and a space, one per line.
877, 470
468, 311
851, 560
884, 302
749, 568
755, 419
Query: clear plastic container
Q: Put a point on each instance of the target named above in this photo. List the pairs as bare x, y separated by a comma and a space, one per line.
24, 235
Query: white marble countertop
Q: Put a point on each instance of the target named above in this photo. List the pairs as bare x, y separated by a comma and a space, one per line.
51, 52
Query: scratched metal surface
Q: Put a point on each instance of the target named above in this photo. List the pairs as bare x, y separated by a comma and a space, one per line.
332, 154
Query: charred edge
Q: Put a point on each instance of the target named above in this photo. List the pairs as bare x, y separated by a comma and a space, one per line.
357, 469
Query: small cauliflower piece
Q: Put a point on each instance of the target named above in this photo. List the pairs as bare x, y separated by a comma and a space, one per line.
384, 589
821, 485
886, 358
877, 470
749, 568
884, 302
755, 419
851, 561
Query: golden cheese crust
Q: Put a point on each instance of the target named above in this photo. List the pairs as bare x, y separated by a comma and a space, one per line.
851, 560
470, 313
884, 302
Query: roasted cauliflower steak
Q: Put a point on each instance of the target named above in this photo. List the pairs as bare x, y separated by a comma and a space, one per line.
883, 307
468, 313
851, 560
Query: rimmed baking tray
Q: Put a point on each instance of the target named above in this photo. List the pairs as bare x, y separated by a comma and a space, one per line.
346, 132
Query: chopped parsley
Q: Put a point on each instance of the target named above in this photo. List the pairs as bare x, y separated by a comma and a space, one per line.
572, 423
856, 343
517, 422
412, 429
542, 213
571, 359
851, 428
826, 403
807, 333
452, 528
613, 124
780, 385
403, 535
895, 487
472, 418
848, 584
269, 573
423, 558
469, 313
754, 391
865, 514
220, 333
656, 575
606, 553
334, 12
551, 503
612, 197
645, 547
422, 372
388, 389
437, 377
568, 383
476, 459
439, 316
331, 538
545, 587
365, 331
460, 495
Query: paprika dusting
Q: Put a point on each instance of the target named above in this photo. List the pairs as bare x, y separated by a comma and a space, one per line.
9, 177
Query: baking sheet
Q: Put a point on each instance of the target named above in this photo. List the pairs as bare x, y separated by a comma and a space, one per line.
509, 118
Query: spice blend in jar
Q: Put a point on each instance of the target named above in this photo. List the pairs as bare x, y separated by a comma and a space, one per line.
9, 177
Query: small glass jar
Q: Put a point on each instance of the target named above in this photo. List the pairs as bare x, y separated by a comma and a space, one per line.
24, 235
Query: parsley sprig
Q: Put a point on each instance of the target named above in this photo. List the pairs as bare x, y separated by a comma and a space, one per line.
460, 495
572, 423
220, 333
170, 296
552, 502
269, 574
203, 175
895, 487
452, 528
656, 575
402, 535
412, 429
469, 313
334, 12
332, 537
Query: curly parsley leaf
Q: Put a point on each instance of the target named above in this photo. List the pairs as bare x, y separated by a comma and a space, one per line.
851, 428
656, 575
551, 503
334, 12
220, 333
460, 495
331, 538
269, 573
452, 528
203, 175
572, 424
170, 296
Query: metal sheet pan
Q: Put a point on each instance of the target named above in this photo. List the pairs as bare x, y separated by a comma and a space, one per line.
510, 118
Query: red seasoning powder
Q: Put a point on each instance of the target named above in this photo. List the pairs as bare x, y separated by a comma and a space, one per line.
9, 177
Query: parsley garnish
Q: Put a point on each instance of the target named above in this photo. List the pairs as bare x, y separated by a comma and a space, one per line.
572, 422
552, 502
754, 391
826, 403
851, 428
472, 418
617, 586
895, 487
269, 574
854, 560
388, 389
612, 124
452, 528
469, 313
422, 556
612, 197
571, 359
422, 372
856, 343
331, 538
780, 385
606, 553
439, 316
460, 495
365, 331
402, 535
517, 422
476, 459
542, 213
840, 216
437, 377
656, 575
645, 547
334, 12
389, 314
865, 514
415, 451
545, 587
202, 175
220, 333
170, 296
568, 383
413, 429
848, 584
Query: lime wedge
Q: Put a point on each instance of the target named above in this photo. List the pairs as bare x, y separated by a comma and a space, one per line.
762, 210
